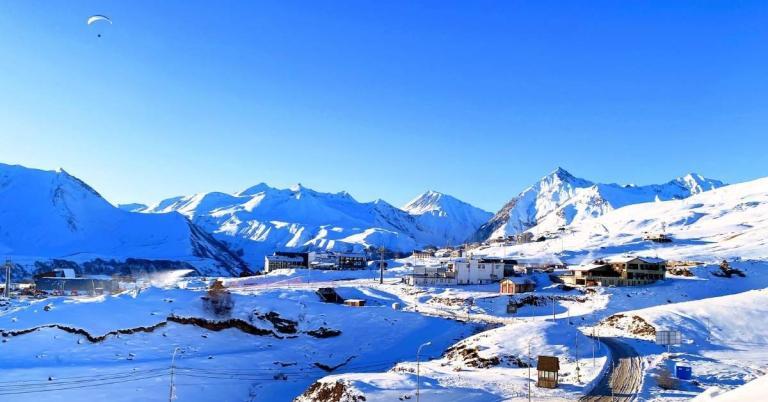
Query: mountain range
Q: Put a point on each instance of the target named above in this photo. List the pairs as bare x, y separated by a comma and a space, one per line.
560, 199
52, 215
262, 219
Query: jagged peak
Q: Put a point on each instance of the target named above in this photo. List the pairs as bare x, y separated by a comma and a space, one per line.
560, 175
427, 196
299, 189
697, 183
559, 171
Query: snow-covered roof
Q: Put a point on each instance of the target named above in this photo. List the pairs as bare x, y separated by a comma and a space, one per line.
627, 258
283, 258
585, 267
539, 260
517, 280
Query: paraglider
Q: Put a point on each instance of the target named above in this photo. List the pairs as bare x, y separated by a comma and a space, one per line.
98, 19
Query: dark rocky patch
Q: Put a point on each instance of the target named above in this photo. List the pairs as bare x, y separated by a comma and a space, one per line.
330, 392
324, 332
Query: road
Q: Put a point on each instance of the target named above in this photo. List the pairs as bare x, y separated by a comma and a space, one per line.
621, 382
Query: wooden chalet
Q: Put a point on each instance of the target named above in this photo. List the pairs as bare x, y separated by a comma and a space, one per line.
617, 271
516, 285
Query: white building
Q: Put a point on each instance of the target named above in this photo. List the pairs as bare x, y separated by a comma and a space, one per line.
460, 271
474, 271
431, 276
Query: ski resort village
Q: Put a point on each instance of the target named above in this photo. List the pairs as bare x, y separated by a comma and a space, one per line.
383, 201
573, 290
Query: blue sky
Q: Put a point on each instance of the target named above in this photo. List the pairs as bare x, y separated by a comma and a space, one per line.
384, 99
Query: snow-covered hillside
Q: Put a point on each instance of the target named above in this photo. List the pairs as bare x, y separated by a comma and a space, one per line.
269, 348
451, 221
262, 219
47, 215
728, 222
560, 199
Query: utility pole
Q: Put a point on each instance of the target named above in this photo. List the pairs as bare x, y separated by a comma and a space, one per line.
529, 370
7, 291
562, 236
553, 308
610, 383
418, 373
381, 265
594, 340
578, 370
172, 390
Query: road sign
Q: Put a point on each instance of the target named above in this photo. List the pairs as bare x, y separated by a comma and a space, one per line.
669, 338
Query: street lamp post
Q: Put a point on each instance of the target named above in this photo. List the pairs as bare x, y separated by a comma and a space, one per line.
172, 390
418, 372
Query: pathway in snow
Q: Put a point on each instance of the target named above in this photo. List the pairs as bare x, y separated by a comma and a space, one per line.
621, 382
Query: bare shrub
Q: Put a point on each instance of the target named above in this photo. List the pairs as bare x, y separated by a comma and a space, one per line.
665, 380
218, 301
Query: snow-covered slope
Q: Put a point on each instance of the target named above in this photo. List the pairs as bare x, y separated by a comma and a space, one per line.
262, 219
728, 222
53, 215
755, 390
451, 221
560, 199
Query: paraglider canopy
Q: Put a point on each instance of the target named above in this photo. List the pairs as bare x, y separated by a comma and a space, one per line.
94, 18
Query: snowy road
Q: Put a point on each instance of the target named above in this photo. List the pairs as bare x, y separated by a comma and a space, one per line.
622, 381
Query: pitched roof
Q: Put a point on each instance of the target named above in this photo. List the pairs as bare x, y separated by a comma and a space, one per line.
548, 363
517, 280
585, 267
627, 258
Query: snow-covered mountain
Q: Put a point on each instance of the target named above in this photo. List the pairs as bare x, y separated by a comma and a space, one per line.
46, 215
730, 222
560, 199
262, 219
449, 219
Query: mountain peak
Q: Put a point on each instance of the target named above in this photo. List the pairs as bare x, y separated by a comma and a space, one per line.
253, 190
559, 177
426, 201
559, 171
562, 174
697, 183
435, 201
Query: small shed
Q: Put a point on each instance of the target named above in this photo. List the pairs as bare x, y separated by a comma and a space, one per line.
548, 368
513, 286
355, 302
329, 295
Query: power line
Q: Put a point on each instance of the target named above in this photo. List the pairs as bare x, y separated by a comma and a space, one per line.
77, 379
91, 385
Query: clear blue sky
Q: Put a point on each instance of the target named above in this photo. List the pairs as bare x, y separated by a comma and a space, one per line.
384, 99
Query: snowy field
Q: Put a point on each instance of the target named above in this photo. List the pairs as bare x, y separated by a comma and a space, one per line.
213, 365
281, 341
481, 361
